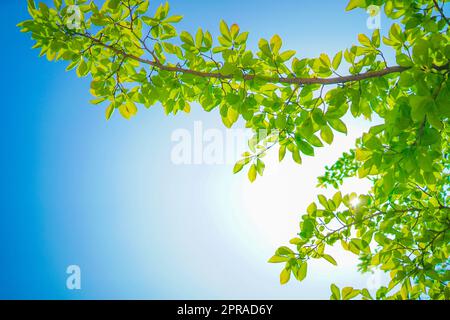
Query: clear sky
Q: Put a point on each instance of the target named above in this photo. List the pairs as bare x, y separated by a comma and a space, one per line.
106, 196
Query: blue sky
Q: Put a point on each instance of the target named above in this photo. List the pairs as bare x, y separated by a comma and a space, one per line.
105, 195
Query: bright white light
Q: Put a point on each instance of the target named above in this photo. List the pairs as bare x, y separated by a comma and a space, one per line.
275, 203
355, 202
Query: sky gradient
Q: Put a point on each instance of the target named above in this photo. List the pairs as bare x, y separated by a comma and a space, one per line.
77, 189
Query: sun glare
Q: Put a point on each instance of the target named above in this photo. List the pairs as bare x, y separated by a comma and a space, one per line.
276, 201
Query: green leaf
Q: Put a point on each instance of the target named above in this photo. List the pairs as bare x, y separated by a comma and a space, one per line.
327, 134
323, 200
307, 227
252, 173
388, 7
208, 40
82, 69
143, 7
312, 209
355, 4
281, 153
325, 59
31, 4
337, 199
162, 11
72, 65
376, 41
234, 31
228, 69
242, 38
306, 148
239, 165
302, 271
128, 110
109, 111
360, 244
173, 19
287, 55
199, 38
364, 40
186, 37
330, 259
232, 115
57, 4
264, 47
338, 125
284, 251
276, 43
337, 60
349, 293
403, 60
296, 156
419, 107
285, 276
336, 293
420, 52
113, 4
318, 117
365, 293
278, 259
225, 30
150, 21
260, 166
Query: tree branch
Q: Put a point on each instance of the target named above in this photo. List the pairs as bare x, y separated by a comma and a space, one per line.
441, 11
249, 77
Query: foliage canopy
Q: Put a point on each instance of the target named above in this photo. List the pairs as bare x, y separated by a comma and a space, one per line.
402, 225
